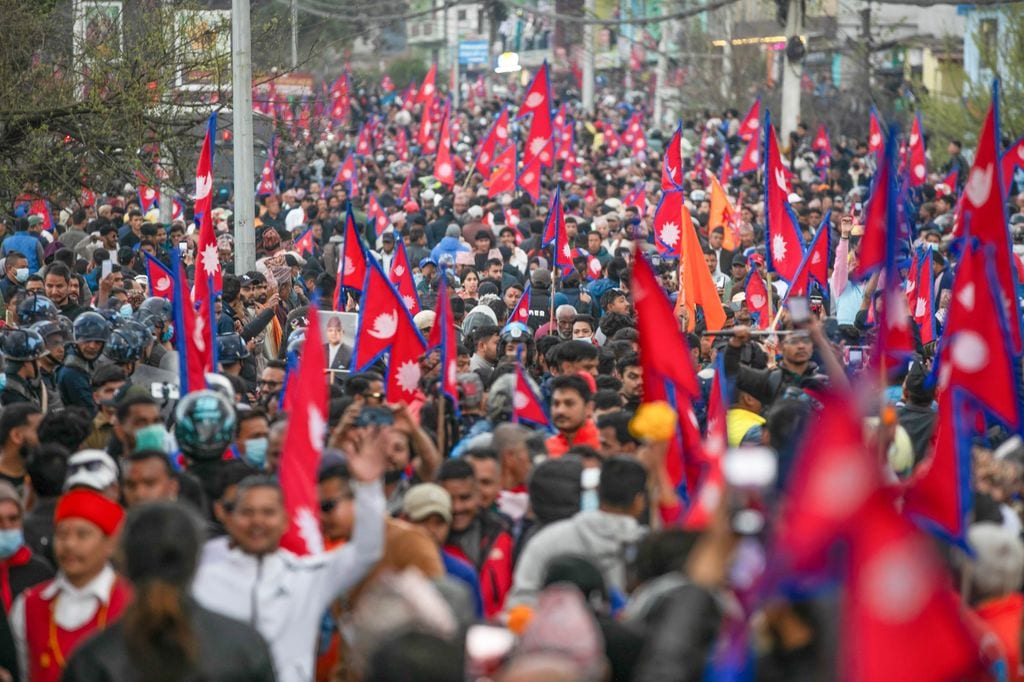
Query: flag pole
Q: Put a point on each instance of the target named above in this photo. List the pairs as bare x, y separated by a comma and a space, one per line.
440, 417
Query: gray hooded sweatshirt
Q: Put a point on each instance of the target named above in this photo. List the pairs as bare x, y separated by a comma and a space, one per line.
609, 540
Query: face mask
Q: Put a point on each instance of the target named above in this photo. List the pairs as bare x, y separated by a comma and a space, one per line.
10, 541
21, 274
255, 452
3, 381
589, 479
152, 437
167, 334
126, 311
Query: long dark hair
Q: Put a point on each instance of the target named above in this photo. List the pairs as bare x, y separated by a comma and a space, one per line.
161, 544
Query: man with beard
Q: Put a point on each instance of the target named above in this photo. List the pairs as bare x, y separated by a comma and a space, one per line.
632, 379
572, 408
91, 331
258, 314
19, 433
57, 285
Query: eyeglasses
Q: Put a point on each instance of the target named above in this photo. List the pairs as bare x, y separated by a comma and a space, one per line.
327, 506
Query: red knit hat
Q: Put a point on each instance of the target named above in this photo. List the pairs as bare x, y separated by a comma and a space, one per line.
91, 506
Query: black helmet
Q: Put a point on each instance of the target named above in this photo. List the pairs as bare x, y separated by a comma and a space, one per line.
204, 425
22, 345
141, 331
91, 326
34, 308
47, 328
231, 348
123, 346
156, 307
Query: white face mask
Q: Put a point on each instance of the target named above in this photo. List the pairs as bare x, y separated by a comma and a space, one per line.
21, 274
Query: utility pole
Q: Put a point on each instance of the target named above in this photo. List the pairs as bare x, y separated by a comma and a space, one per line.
588, 57
295, 33
241, 104
792, 72
665, 113
727, 93
452, 33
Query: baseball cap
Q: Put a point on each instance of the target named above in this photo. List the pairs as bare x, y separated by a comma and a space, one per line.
34, 220
91, 469
388, 237
427, 261
426, 499
9, 494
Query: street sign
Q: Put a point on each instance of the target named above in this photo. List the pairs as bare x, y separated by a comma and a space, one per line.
472, 52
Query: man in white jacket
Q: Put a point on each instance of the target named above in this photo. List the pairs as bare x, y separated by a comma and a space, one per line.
282, 595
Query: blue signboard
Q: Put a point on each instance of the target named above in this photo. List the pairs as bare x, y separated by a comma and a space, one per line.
472, 52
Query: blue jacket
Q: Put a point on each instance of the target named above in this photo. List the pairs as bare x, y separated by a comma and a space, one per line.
448, 246
25, 244
460, 570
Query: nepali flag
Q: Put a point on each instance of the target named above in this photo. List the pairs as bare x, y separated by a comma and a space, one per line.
918, 164
821, 143
750, 128
363, 147
305, 434
386, 84
637, 198
503, 173
559, 119
521, 312
756, 295
404, 369
785, 245
496, 137
428, 88
351, 261
346, 174
537, 101
401, 277
444, 172
529, 179
875, 134
208, 271
569, 167
815, 262
1011, 160
875, 243
594, 268
726, 172
672, 167
382, 314
983, 216
555, 235
425, 136
376, 215
193, 338
405, 193
921, 295
148, 198
442, 335
306, 243
949, 183
526, 406
566, 142
668, 223
750, 162
711, 486
268, 183
161, 278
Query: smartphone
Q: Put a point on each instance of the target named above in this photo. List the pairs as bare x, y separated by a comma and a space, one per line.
106, 268
799, 310
856, 358
183, 246
750, 473
375, 416
164, 391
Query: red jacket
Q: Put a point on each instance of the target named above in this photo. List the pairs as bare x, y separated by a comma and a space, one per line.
495, 566
1003, 616
588, 435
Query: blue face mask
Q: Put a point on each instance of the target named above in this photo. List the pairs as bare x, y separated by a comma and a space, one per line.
10, 541
255, 452
167, 334
126, 311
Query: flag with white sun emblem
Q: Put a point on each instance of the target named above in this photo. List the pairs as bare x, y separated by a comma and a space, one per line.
444, 171
401, 277
526, 406
785, 245
207, 270
667, 218
305, 435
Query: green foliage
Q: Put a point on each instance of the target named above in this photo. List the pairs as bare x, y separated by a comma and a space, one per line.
406, 69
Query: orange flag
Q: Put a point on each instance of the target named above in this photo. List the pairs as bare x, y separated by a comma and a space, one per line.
722, 213
696, 286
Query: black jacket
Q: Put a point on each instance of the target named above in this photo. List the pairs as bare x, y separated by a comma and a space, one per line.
229, 651
681, 630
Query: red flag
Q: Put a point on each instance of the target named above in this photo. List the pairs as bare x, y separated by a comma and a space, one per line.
207, 262
503, 174
949, 183
268, 183
559, 120
751, 159
425, 135
594, 267
668, 219
526, 406
521, 313
404, 371
529, 179
352, 263
402, 145
711, 486
612, 140
306, 243
537, 101
662, 347
568, 173
821, 142
401, 277
490, 144
815, 263
346, 172
148, 199
193, 339
756, 294
833, 478
555, 234
785, 245
875, 135
1011, 160
672, 168
376, 215
983, 216
444, 172
305, 435
726, 172
874, 244
363, 147
161, 279
381, 317
442, 335
918, 164
901, 620
750, 128
566, 143
427, 88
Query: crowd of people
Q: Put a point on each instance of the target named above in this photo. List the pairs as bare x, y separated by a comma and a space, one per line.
141, 529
